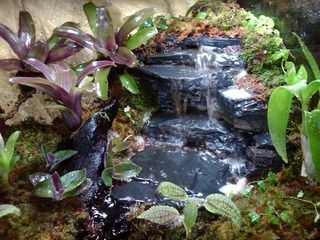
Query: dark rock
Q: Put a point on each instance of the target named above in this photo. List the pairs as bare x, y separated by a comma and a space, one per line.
197, 131
196, 171
242, 110
196, 42
177, 58
90, 142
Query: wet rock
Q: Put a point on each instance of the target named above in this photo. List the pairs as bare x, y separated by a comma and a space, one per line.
263, 157
196, 171
242, 110
197, 131
196, 42
90, 142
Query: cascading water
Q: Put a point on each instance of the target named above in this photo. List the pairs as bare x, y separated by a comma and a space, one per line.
188, 144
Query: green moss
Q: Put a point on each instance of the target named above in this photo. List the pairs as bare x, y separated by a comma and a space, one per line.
40, 218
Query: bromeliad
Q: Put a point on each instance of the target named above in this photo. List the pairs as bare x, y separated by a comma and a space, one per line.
25, 46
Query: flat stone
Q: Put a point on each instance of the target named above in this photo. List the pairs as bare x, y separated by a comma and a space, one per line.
242, 110
196, 42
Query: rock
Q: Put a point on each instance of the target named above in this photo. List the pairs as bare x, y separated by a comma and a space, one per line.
242, 110
202, 174
91, 144
197, 42
263, 156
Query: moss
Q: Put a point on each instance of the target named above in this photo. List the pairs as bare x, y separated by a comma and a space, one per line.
40, 218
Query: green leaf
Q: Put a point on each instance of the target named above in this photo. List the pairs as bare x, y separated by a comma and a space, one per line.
172, 191
313, 135
125, 170
246, 191
44, 189
278, 116
129, 83
310, 90
72, 180
90, 11
10, 145
107, 177
141, 37
302, 74
162, 215
202, 15
120, 146
312, 62
272, 177
254, 216
6, 209
80, 189
222, 205
14, 160
190, 212
102, 85
317, 218
290, 76
64, 154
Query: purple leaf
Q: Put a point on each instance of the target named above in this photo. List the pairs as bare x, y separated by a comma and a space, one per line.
58, 94
59, 53
78, 36
76, 101
39, 51
133, 22
57, 185
92, 67
124, 56
40, 66
10, 65
27, 31
65, 77
14, 41
105, 31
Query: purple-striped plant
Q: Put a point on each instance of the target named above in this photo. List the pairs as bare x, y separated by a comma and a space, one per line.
60, 83
25, 46
111, 43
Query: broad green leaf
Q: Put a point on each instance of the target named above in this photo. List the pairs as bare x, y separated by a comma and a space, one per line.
190, 212
313, 136
278, 116
162, 215
313, 63
302, 74
107, 176
73, 179
300, 194
172, 191
6, 209
222, 205
44, 189
310, 90
83, 187
290, 76
297, 88
102, 85
121, 146
14, 160
10, 145
90, 11
141, 37
64, 154
129, 83
317, 218
125, 170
